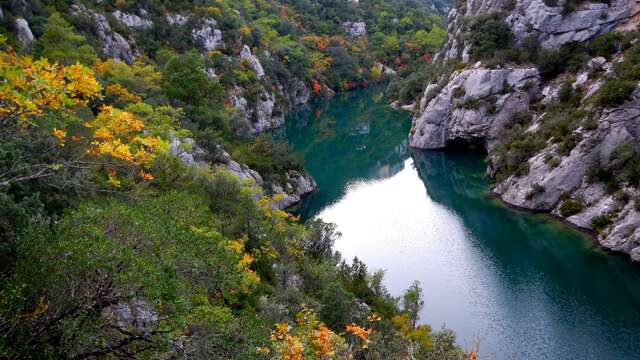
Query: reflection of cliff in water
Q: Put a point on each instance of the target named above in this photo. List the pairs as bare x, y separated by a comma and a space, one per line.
531, 243
356, 136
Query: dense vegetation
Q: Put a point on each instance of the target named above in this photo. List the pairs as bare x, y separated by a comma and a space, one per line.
112, 247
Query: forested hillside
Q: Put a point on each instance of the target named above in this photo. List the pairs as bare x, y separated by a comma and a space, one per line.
141, 211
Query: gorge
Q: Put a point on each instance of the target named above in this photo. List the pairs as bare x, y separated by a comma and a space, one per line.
525, 284
319, 179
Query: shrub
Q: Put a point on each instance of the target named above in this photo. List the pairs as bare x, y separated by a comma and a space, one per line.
566, 91
553, 162
458, 92
535, 190
622, 196
489, 35
614, 92
600, 222
606, 45
571, 207
590, 123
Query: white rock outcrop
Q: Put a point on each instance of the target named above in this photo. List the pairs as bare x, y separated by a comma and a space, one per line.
261, 115
553, 28
253, 61
114, 45
355, 29
207, 35
23, 32
133, 20
475, 105
549, 25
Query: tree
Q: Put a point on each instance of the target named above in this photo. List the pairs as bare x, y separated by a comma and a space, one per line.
185, 80
30, 88
413, 302
318, 242
123, 280
59, 43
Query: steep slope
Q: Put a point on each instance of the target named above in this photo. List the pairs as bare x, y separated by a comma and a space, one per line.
262, 58
550, 90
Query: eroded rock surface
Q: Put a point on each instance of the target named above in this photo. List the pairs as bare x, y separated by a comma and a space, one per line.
207, 35
114, 45
474, 105
355, 29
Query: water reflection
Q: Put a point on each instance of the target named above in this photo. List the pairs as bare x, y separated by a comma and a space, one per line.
354, 136
530, 287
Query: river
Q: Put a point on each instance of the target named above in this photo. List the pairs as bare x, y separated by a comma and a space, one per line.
526, 285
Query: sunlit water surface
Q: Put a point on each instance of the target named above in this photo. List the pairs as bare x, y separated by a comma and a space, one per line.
527, 286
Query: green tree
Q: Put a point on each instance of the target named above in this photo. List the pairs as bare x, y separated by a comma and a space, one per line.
185, 80
412, 302
61, 44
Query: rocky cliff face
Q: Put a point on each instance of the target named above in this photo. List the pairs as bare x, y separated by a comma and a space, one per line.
114, 45
474, 105
548, 22
480, 104
265, 113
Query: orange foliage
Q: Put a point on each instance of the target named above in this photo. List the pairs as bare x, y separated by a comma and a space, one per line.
315, 42
60, 135
118, 134
360, 332
121, 94
29, 88
322, 342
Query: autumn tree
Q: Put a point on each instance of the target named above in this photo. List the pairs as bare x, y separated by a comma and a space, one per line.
30, 88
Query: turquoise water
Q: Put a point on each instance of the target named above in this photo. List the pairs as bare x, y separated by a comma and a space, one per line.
527, 286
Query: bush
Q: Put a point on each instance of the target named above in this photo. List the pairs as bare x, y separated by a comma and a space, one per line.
458, 92
600, 222
571, 207
622, 196
553, 162
535, 190
489, 35
606, 45
614, 92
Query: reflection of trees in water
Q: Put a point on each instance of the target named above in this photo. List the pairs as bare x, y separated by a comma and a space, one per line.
356, 136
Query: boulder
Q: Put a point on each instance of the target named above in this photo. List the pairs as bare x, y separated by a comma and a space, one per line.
296, 186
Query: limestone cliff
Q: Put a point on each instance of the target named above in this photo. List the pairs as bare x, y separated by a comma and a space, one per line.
482, 103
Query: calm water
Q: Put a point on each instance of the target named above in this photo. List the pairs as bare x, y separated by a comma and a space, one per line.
527, 286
